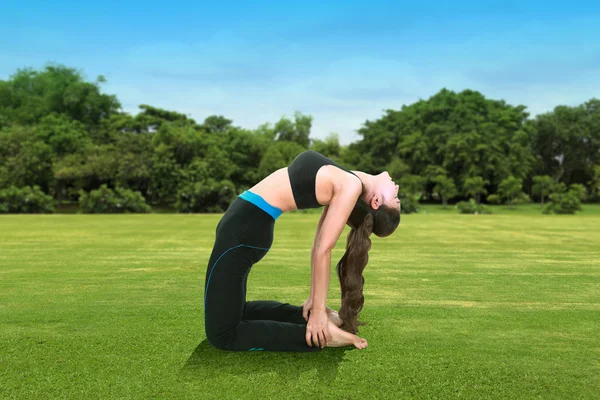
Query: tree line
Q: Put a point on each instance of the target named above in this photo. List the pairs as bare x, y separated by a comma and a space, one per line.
62, 137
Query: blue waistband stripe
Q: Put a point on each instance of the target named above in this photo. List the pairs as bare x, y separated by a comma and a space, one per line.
261, 203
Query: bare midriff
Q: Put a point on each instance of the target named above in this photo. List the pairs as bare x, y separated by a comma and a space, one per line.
276, 190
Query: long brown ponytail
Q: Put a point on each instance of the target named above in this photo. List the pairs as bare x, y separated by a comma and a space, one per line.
363, 222
350, 269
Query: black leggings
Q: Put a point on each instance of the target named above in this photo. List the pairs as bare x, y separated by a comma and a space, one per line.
244, 235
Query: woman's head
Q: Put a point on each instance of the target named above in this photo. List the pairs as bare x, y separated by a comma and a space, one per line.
379, 199
380, 191
377, 211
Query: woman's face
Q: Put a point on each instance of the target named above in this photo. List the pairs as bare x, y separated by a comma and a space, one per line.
386, 191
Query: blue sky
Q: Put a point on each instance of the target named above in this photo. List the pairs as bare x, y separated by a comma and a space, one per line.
341, 62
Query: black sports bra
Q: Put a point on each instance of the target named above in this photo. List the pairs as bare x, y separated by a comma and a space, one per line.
303, 176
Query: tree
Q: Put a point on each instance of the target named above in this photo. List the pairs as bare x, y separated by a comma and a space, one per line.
279, 155
297, 131
564, 201
330, 147
151, 119
445, 188
134, 161
475, 187
166, 175
184, 141
216, 124
245, 150
68, 172
86, 171
463, 133
215, 164
566, 142
579, 190
510, 188
30, 95
595, 182
411, 185
542, 186
63, 134
25, 160
207, 196
397, 168
354, 158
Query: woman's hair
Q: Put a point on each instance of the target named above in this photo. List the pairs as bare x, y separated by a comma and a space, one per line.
363, 221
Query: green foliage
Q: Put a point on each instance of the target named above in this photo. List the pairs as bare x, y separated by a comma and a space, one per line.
86, 171
24, 159
279, 155
411, 185
217, 124
60, 132
29, 95
206, 168
25, 200
471, 207
206, 196
397, 169
595, 182
330, 147
510, 190
151, 119
410, 192
297, 131
353, 157
166, 175
563, 203
245, 150
522, 198
542, 186
133, 161
184, 142
475, 186
63, 134
566, 142
463, 133
432, 172
579, 190
494, 199
106, 200
409, 204
444, 188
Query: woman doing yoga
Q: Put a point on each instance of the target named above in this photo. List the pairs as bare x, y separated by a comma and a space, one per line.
367, 203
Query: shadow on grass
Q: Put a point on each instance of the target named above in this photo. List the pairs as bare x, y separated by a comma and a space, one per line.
207, 361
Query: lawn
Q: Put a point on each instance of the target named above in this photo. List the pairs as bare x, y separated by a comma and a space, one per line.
458, 306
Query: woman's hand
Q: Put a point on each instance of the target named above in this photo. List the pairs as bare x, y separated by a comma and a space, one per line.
317, 331
306, 306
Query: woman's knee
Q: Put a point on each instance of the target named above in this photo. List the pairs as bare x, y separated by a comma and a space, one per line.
220, 339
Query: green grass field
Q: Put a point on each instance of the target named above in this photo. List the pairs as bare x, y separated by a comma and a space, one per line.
458, 306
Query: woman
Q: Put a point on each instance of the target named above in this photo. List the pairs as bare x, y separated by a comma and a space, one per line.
367, 203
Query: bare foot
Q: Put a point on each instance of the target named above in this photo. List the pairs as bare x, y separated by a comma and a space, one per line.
340, 338
334, 317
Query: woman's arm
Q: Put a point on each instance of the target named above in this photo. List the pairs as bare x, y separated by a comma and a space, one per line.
312, 250
340, 207
330, 231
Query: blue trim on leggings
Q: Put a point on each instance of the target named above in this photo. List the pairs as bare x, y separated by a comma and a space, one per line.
261, 203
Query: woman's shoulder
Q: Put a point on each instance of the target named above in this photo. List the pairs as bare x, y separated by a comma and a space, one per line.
334, 182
